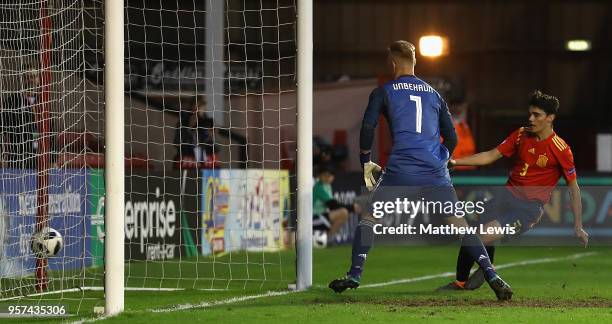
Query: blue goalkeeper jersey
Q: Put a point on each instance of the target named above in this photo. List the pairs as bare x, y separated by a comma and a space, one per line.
418, 117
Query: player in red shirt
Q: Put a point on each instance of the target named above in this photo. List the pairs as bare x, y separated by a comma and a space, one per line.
541, 158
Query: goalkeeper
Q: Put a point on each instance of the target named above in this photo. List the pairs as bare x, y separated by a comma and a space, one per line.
417, 166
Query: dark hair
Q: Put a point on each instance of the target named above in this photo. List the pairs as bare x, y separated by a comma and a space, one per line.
403, 50
326, 168
548, 103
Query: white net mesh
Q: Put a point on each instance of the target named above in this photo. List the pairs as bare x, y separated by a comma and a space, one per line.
42, 110
210, 140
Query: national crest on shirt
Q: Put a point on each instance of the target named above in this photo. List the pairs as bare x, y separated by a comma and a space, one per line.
542, 160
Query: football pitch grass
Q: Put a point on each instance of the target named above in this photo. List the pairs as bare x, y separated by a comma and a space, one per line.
559, 284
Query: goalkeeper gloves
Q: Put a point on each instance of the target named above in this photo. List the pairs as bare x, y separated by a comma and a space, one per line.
368, 174
369, 170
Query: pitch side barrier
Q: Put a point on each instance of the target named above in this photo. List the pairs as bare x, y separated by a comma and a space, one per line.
168, 215
398, 224
212, 211
67, 192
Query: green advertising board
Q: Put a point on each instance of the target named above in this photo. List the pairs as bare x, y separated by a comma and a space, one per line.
96, 191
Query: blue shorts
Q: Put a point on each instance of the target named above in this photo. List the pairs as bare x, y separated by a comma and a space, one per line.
393, 186
509, 210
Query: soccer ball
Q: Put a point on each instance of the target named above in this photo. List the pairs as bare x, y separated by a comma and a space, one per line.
319, 239
47, 243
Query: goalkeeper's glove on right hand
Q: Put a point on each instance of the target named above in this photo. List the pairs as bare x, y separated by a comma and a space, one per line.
369, 168
368, 174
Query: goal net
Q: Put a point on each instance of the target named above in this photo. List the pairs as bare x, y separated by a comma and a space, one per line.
210, 141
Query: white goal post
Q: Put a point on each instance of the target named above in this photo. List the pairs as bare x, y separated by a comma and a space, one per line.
305, 66
114, 283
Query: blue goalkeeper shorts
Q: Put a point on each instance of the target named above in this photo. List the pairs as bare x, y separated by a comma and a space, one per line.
394, 186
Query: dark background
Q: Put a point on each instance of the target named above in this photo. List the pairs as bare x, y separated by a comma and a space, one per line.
500, 51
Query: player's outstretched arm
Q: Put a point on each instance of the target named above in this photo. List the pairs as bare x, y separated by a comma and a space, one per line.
576, 201
376, 104
478, 159
447, 129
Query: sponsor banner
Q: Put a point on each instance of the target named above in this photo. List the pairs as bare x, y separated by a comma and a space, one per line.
174, 75
555, 227
558, 218
171, 75
243, 210
95, 208
18, 209
152, 221
160, 215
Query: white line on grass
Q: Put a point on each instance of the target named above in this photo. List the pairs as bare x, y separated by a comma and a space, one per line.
503, 266
98, 288
221, 302
197, 306
381, 284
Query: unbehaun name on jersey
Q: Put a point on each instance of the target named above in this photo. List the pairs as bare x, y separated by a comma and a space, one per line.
413, 87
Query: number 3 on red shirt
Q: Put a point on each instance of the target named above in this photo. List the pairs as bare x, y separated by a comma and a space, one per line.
524, 171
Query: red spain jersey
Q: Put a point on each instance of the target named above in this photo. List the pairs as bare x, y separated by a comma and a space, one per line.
538, 164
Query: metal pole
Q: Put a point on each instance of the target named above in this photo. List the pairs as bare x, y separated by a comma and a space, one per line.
42, 123
114, 157
215, 68
304, 138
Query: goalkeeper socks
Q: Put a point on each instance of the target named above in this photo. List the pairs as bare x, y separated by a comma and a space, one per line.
465, 262
491, 252
362, 242
477, 251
